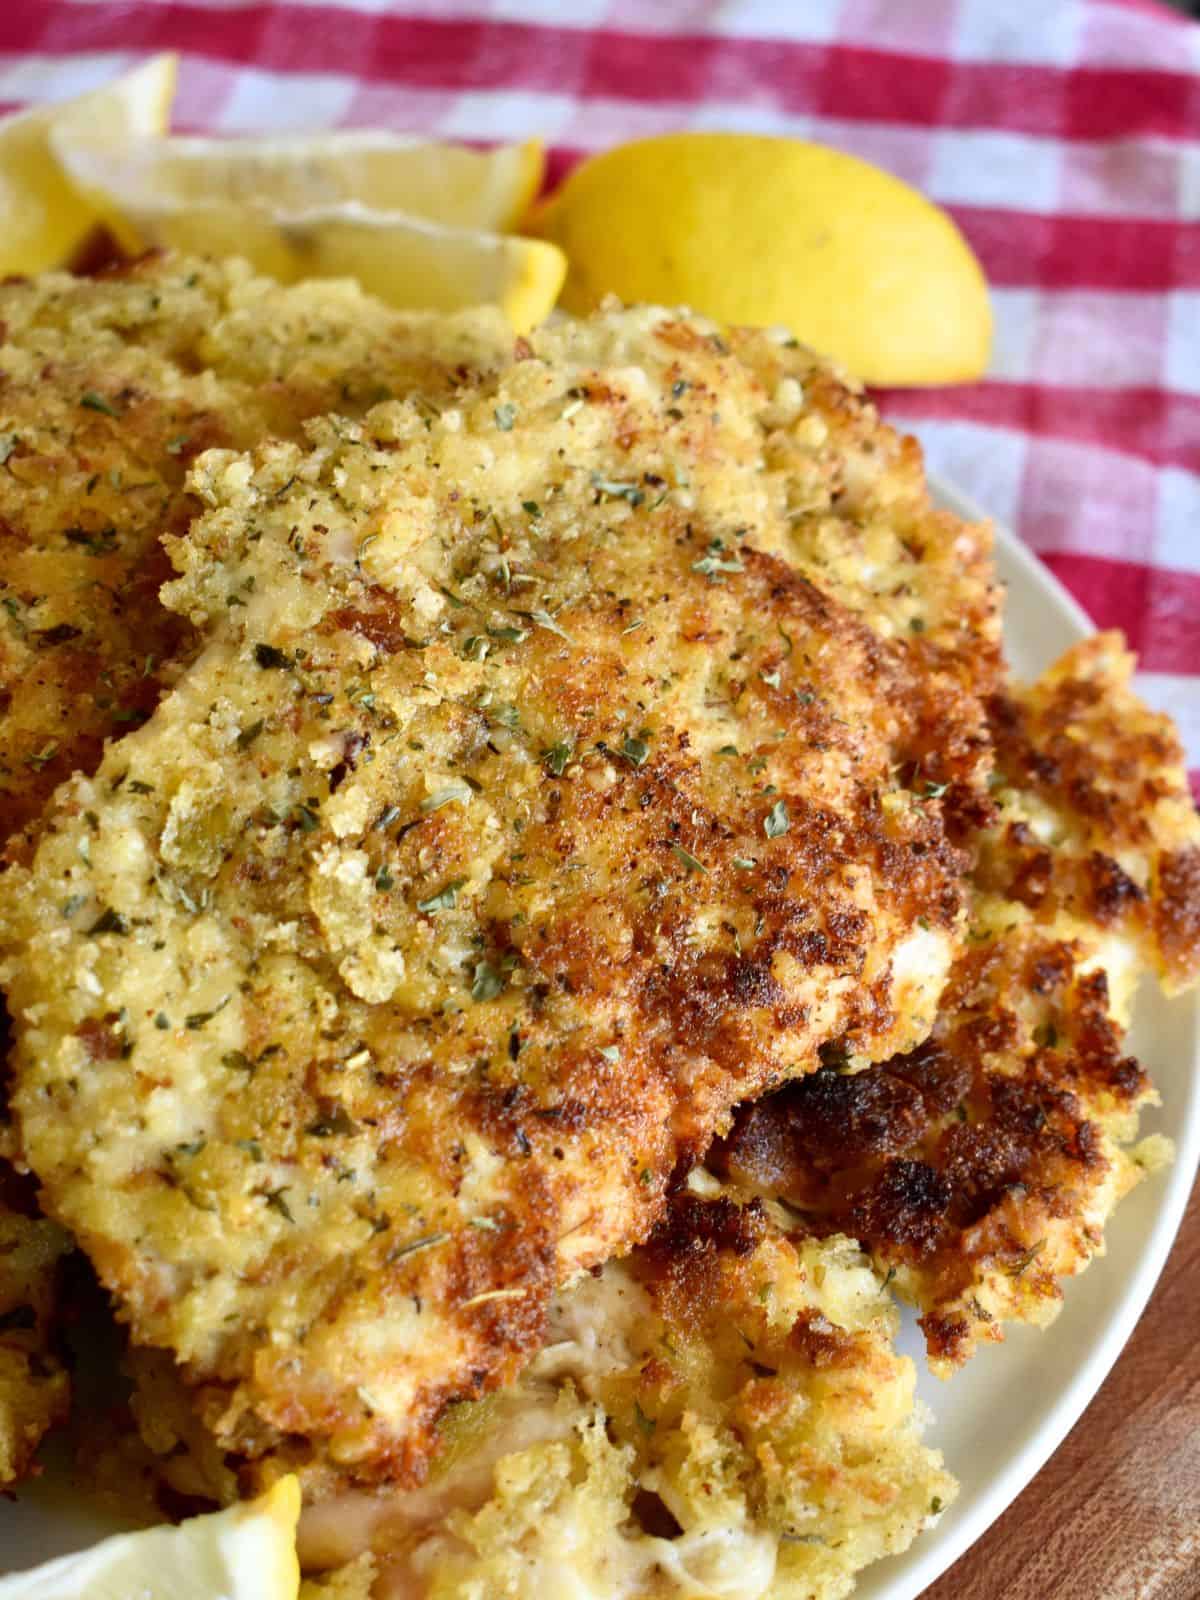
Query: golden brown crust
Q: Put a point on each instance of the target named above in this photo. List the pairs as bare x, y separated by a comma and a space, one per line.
546, 794
1103, 779
725, 1406
110, 387
109, 390
980, 1168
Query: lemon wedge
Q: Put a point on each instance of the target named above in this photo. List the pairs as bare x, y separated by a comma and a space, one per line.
488, 190
748, 228
44, 218
247, 1552
338, 206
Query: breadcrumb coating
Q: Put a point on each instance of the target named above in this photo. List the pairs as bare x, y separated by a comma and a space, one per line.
981, 1168
552, 776
724, 1412
110, 387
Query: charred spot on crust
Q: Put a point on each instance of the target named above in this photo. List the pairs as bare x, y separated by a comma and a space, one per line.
693, 1224
830, 1125
692, 1248
946, 1337
102, 1038
381, 621
822, 1343
1113, 891
952, 1160
906, 1208
694, 1231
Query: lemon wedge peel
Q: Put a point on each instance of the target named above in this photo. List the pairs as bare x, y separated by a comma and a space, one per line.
246, 1552
751, 228
44, 217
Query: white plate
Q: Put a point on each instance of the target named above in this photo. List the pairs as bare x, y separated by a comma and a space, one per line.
1002, 1417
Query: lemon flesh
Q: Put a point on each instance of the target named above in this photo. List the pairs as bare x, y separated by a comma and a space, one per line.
245, 1553
489, 190
44, 217
408, 263
326, 208
773, 230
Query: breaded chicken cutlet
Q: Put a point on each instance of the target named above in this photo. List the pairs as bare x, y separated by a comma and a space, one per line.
980, 1169
109, 389
554, 773
721, 1413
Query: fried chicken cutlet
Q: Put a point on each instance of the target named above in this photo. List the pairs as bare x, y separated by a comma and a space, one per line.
109, 388
980, 1169
721, 1413
558, 781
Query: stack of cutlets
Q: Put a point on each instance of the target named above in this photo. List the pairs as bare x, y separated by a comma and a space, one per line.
545, 920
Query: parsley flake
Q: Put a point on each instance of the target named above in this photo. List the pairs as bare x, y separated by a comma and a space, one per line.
109, 921
487, 982
545, 620
645, 1423
1025, 1260
305, 817
97, 402
43, 756
426, 1242
715, 562
274, 1198
688, 859
197, 1019
777, 820
615, 490
558, 756
445, 900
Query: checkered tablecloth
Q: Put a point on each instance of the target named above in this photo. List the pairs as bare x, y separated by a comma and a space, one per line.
1064, 136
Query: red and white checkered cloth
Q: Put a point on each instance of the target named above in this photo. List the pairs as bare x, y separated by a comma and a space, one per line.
1063, 135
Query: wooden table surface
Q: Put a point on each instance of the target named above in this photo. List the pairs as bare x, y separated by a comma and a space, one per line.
1115, 1513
